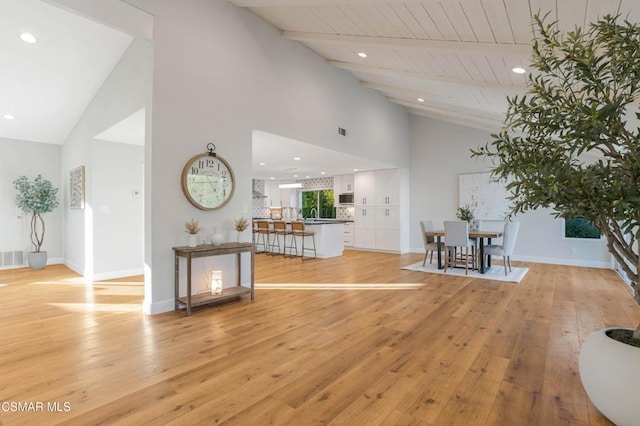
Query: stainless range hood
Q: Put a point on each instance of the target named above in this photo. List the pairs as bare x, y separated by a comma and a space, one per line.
258, 187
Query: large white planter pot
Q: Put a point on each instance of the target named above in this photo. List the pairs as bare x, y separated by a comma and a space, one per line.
610, 374
37, 260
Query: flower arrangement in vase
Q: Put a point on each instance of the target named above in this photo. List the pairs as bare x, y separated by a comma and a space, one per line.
192, 228
240, 225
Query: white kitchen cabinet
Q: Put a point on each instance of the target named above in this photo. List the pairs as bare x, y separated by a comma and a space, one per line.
348, 234
272, 191
388, 228
388, 187
365, 227
382, 194
365, 189
346, 184
285, 197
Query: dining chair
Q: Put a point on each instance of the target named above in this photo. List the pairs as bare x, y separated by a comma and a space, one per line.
505, 250
456, 235
430, 244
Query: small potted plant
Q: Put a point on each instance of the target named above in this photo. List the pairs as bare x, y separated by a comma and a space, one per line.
465, 213
36, 197
192, 228
240, 225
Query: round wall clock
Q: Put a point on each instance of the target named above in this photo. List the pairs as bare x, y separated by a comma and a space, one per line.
208, 181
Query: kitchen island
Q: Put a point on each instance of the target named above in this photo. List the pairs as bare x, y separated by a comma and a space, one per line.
329, 237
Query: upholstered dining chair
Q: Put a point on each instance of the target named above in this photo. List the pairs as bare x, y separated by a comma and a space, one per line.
430, 244
456, 236
508, 242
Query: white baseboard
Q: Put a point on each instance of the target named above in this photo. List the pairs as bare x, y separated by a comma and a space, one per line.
566, 262
154, 308
74, 267
101, 276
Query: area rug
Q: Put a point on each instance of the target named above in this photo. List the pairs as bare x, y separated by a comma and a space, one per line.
495, 272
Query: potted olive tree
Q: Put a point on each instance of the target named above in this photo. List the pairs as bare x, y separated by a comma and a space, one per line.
36, 197
572, 144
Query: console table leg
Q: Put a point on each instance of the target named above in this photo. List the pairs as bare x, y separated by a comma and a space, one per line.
189, 284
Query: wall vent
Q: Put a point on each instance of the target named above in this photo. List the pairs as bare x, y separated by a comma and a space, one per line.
342, 131
12, 258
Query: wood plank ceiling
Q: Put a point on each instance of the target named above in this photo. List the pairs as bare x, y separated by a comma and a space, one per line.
450, 60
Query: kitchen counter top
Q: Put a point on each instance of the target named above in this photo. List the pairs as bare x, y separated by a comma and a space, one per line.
312, 221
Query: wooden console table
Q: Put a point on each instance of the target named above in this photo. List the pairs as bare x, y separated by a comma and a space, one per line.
207, 250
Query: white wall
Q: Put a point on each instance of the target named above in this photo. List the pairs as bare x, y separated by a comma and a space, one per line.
118, 222
126, 90
19, 158
439, 152
219, 73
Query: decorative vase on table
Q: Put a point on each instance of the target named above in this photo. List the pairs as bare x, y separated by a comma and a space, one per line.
193, 240
218, 237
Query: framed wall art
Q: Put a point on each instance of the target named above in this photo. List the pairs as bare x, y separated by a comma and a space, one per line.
76, 188
485, 196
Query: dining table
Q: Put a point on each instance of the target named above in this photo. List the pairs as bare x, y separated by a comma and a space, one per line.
481, 235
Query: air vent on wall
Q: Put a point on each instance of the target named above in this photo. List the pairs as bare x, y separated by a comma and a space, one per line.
342, 131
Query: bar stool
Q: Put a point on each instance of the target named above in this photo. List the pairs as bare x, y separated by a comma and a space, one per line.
264, 232
280, 229
299, 230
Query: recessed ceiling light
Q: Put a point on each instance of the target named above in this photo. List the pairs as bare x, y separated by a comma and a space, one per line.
420, 100
8, 116
323, 173
362, 54
355, 170
295, 175
518, 70
272, 178
308, 177
296, 158
262, 164
28, 38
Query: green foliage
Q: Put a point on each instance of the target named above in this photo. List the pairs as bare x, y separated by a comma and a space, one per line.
580, 228
36, 197
321, 200
465, 213
569, 143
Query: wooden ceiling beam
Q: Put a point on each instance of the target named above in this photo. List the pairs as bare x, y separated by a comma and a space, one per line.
291, 3
503, 88
432, 99
483, 49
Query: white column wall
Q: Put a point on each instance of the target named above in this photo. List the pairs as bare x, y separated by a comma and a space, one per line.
219, 73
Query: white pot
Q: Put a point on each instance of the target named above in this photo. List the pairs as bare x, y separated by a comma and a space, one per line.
193, 240
37, 260
610, 374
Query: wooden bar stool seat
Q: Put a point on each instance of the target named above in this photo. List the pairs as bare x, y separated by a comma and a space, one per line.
263, 233
299, 230
280, 229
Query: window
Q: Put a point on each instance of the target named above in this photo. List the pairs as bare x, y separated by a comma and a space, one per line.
580, 228
321, 201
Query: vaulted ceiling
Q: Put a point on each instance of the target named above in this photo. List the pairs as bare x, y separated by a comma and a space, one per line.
46, 86
445, 59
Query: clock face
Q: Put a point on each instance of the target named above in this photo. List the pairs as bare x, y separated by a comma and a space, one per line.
208, 181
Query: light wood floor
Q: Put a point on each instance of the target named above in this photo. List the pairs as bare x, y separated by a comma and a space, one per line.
454, 351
